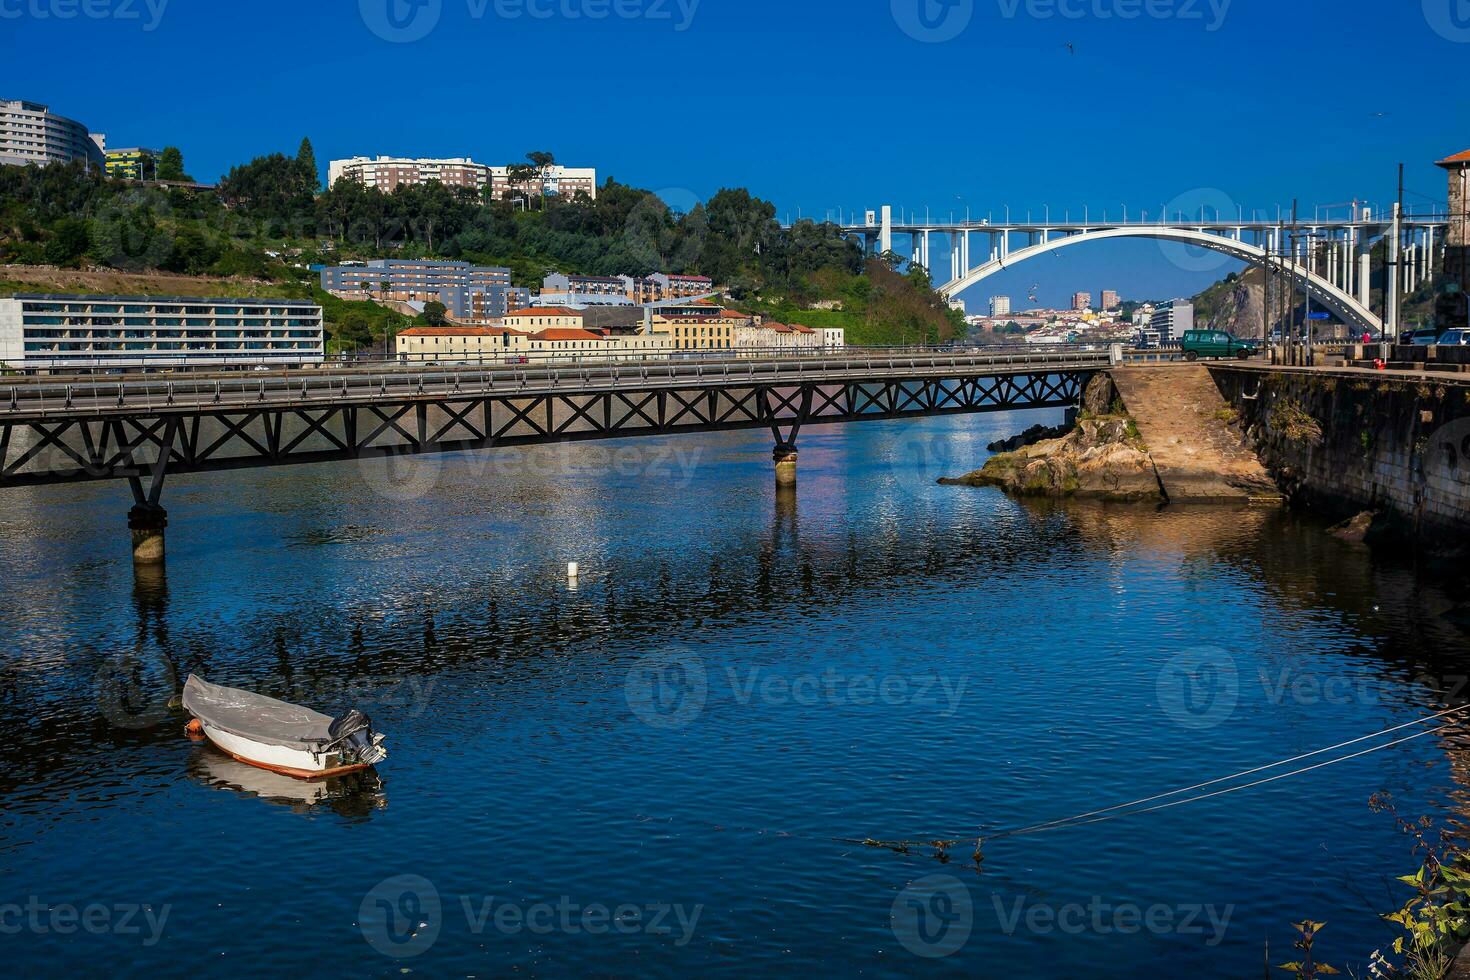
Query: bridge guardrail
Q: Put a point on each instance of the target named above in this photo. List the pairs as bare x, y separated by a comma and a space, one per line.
72, 398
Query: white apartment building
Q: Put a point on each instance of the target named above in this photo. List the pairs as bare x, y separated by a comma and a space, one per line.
1000, 306
389, 173
1171, 320
41, 332
31, 135
756, 339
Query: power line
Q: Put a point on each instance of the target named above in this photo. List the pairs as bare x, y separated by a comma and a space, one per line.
1238, 775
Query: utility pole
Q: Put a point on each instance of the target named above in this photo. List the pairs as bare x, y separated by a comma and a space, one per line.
1268, 282
1295, 355
1391, 292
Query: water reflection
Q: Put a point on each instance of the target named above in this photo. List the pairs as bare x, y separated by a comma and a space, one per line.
356, 795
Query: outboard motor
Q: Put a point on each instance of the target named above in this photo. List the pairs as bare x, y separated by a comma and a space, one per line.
353, 736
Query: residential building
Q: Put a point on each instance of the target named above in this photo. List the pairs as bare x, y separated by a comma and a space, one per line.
557, 342
468, 292
1111, 300
834, 338
389, 173
706, 332
31, 135
461, 343
1452, 306
534, 318
567, 290
560, 181
756, 338
1171, 320
133, 163
42, 332
682, 287
1081, 301
1000, 306
558, 289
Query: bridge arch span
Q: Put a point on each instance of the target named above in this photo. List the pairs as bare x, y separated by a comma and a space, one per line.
1347, 308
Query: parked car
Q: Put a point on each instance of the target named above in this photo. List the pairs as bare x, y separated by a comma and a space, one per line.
1422, 337
1455, 338
1217, 343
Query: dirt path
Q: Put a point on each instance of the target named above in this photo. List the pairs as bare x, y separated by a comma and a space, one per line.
1199, 455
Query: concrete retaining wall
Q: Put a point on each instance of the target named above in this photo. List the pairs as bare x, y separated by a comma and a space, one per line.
1345, 442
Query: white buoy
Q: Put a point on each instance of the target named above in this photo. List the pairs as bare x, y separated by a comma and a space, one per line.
572, 571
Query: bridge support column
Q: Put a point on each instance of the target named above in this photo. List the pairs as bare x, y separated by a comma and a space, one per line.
147, 523
784, 456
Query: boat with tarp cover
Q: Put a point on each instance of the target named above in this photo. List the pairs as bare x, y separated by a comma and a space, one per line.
279, 736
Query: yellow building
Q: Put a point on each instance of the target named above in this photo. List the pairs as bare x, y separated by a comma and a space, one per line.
463, 344
559, 342
133, 163
699, 332
534, 318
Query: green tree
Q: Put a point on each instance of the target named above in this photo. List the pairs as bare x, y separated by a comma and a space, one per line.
69, 242
171, 165
354, 330
306, 160
435, 314
519, 177
543, 162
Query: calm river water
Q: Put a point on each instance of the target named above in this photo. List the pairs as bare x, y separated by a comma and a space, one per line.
646, 774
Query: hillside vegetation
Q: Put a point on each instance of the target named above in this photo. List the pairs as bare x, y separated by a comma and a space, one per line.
269, 219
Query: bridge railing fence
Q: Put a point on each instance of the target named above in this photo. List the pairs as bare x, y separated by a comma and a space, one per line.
240, 391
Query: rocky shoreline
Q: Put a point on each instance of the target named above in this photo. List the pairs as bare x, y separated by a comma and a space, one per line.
1100, 459
1142, 436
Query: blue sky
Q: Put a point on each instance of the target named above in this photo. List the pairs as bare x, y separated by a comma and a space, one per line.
814, 105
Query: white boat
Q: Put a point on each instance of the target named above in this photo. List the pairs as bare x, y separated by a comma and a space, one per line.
279, 736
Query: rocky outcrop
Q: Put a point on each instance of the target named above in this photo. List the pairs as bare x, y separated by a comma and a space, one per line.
1033, 435
1354, 531
1101, 459
1236, 304
1100, 397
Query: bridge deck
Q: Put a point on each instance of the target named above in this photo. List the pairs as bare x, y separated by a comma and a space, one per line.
143, 429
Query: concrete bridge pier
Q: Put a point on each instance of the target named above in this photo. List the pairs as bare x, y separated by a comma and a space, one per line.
784, 456
147, 523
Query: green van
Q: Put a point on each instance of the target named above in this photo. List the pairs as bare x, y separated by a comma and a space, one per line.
1217, 343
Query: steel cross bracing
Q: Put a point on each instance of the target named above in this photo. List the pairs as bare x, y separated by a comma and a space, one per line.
143, 445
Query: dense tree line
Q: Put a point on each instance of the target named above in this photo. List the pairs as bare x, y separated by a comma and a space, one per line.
271, 213
65, 215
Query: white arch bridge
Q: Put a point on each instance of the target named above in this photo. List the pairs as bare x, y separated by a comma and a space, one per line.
1331, 258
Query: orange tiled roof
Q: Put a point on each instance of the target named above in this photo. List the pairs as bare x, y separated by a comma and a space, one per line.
460, 332
1455, 160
